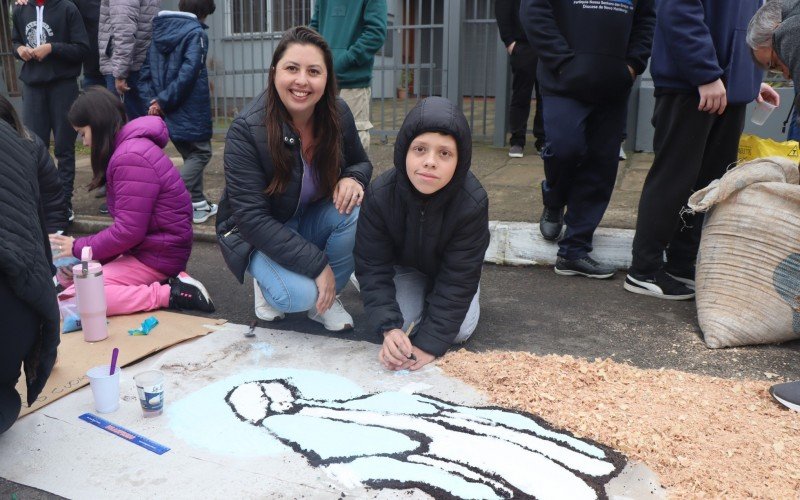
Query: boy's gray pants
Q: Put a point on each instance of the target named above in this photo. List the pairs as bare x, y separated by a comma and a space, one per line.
410, 286
196, 156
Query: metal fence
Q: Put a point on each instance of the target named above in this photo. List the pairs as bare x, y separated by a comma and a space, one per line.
433, 47
9, 85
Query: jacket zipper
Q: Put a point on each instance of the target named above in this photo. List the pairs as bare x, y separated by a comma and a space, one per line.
421, 224
302, 176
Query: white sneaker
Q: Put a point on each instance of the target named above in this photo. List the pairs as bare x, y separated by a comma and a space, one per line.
622, 155
355, 282
202, 211
263, 309
334, 319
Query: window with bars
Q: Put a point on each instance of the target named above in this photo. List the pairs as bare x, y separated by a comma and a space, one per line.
267, 16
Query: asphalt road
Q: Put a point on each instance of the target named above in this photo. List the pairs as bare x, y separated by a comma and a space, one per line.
532, 309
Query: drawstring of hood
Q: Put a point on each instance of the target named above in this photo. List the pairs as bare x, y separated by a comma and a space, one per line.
39, 21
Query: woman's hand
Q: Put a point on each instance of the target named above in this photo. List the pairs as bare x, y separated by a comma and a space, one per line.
62, 245
326, 288
347, 195
397, 353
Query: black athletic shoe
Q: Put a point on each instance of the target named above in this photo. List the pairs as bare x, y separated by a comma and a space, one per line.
188, 293
539, 145
684, 275
70, 215
103, 208
585, 266
787, 394
551, 222
660, 285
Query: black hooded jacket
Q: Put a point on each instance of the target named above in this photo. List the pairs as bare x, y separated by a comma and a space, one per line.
25, 252
444, 235
246, 210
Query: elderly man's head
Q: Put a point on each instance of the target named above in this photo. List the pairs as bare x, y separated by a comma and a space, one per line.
761, 38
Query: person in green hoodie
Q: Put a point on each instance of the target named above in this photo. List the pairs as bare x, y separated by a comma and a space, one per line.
355, 31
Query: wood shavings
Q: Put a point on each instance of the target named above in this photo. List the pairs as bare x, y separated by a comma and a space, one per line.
706, 437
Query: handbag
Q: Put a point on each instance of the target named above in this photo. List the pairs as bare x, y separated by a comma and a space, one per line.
235, 250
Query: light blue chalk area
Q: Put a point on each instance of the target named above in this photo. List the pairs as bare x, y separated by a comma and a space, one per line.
335, 439
378, 468
203, 418
517, 421
395, 403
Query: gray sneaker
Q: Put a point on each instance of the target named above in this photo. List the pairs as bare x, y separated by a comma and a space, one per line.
202, 211
787, 394
515, 152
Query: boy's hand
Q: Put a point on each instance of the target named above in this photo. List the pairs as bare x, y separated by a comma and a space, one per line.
155, 109
121, 85
42, 51
396, 351
25, 53
347, 194
21, 2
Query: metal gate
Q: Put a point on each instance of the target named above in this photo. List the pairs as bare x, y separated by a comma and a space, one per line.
422, 56
9, 85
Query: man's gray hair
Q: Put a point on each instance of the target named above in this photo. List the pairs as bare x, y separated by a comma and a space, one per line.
763, 25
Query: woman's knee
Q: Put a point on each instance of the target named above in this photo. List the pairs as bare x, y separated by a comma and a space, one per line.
289, 297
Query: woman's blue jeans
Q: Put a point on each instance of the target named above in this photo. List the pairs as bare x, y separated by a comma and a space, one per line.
321, 224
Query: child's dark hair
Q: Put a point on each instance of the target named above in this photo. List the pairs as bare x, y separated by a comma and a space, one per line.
9, 115
328, 152
200, 8
104, 114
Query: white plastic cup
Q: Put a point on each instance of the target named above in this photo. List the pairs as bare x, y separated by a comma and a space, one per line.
105, 388
762, 112
150, 386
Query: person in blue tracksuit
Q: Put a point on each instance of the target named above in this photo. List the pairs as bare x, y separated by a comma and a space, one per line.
704, 77
173, 82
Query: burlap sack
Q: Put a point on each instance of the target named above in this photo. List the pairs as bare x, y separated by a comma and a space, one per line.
748, 267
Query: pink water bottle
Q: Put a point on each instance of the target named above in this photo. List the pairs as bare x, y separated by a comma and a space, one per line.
91, 296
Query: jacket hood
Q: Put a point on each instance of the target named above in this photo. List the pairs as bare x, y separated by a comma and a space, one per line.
170, 27
787, 38
435, 114
151, 128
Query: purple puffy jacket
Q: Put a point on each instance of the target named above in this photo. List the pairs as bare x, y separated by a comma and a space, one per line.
148, 200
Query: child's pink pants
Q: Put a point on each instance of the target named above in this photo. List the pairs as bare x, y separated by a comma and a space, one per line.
130, 287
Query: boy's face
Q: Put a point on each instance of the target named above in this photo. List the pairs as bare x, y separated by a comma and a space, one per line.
431, 161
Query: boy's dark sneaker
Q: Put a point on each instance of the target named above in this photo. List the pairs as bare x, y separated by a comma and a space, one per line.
516, 151
188, 293
787, 394
103, 208
551, 222
685, 276
585, 266
539, 145
660, 285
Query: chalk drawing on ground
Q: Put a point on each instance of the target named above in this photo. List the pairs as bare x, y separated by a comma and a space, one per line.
403, 440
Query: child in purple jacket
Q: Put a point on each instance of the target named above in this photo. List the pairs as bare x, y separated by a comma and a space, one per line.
145, 251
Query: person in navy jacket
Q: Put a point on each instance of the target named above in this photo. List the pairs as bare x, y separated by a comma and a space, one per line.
704, 77
589, 55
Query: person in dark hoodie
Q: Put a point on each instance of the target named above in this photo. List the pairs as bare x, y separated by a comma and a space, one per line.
704, 78
173, 82
49, 36
29, 335
589, 55
421, 239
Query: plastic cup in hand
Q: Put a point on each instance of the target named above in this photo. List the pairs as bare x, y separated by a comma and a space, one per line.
762, 112
150, 386
105, 388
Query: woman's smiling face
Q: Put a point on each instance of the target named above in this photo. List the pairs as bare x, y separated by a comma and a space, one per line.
300, 79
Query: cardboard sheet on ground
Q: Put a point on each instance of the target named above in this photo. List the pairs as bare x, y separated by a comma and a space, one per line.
289, 415
75, 356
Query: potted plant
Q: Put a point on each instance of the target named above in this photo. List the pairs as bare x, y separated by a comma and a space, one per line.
406, 83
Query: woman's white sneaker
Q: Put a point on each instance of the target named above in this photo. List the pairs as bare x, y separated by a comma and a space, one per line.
334, 319
263, 309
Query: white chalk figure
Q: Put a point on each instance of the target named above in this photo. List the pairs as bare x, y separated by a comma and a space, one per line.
398, 440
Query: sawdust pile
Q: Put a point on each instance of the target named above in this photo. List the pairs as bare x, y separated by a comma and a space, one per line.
706, 437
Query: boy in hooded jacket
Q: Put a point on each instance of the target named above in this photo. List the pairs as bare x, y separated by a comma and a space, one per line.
174, 83
422, 234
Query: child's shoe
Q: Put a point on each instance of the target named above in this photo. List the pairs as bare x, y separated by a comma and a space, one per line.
188, 293
334, 319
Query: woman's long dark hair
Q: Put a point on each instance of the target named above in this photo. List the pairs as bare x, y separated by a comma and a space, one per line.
9, 115
328, 155
104, 113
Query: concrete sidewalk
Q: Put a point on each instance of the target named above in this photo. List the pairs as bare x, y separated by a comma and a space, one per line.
512, 184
